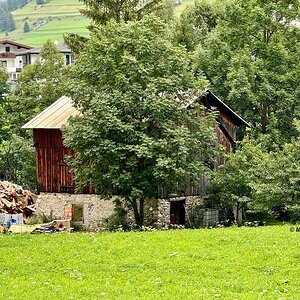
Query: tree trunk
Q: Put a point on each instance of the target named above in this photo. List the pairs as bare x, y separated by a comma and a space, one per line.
138, 211
264, 117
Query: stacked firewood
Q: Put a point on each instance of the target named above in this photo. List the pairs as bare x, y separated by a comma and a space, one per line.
15, 200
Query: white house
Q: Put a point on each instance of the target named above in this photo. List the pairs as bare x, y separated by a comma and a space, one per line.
10, 57
31, 55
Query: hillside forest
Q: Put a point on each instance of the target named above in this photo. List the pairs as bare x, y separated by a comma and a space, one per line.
138, 60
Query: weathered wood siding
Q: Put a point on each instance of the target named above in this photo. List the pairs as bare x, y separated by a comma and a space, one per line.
228, 123
53, 174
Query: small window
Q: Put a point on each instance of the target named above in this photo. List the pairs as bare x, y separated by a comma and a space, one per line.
27, 59
15, 76
69, 59
3, 63
7, 49
77, 213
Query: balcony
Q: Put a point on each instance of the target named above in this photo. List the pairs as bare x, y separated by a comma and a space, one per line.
7, 55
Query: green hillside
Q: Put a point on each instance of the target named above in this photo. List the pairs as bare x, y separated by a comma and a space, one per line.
52, 20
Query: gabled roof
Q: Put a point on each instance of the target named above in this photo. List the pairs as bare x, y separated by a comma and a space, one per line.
58, 113
61, 48
211, 100
4, 42
55, 116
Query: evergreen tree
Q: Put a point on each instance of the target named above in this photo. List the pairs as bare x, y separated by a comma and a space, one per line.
26, 27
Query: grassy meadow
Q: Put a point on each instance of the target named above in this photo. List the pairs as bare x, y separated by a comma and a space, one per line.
63, 16
225, 263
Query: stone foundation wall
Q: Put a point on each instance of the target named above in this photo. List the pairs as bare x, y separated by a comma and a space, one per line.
97, 209
164, 209
59, 205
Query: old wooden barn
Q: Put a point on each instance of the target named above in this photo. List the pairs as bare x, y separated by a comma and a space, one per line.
54, 176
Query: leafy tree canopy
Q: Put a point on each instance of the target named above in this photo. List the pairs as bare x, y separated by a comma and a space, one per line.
260, 180
17, 161
252, 59
195, 23
135, 135
102, 11
3, 82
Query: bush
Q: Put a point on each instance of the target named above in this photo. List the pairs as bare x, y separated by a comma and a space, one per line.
118, 219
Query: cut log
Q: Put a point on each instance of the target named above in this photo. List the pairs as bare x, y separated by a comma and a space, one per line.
14, 200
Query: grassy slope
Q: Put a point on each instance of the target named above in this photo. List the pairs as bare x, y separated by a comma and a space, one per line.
65, 15
229, 263
70, 21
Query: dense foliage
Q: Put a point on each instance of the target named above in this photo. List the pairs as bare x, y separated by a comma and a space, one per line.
264, 183
194, 24
252, 60
7, 22
102, 11
135, 134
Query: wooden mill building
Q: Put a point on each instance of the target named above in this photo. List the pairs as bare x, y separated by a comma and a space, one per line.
53, 174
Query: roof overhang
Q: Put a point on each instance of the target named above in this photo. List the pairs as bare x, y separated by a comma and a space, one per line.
5, 42
211, 100
55, 116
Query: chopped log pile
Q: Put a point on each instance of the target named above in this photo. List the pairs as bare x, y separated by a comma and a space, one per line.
15, 200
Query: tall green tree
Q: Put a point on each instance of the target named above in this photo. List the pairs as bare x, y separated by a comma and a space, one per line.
17, 161
195, 22
3, 82
26, 27
7, 22
261, 181
135, 133
101, 11
252, 59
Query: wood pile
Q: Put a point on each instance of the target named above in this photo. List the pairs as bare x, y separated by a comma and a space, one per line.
55, 226
15, 200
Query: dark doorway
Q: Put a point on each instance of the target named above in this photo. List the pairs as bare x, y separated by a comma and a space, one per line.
177, 212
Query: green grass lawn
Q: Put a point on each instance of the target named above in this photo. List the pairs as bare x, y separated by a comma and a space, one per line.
228, 263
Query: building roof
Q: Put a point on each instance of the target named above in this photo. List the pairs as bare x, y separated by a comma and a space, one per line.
62, 49
4, 42
58, 113
55, 116
211, 100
